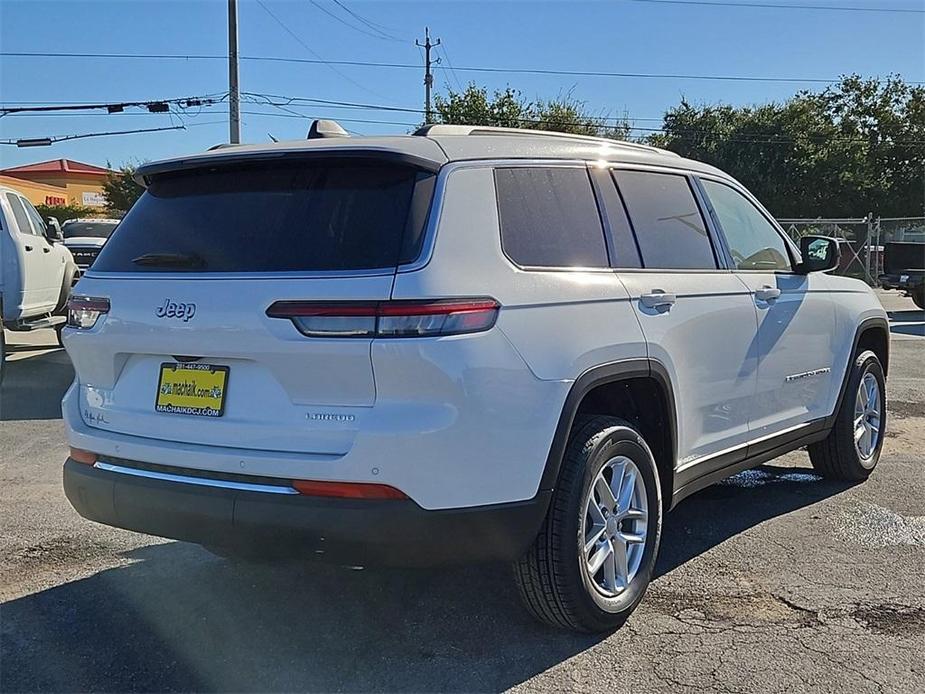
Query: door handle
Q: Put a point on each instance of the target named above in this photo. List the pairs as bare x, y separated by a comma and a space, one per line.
28, 249
46, 250
658, 298
767, 293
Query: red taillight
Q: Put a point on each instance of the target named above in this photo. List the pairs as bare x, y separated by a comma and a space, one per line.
78, 455
347, 490
84, 311
388, 318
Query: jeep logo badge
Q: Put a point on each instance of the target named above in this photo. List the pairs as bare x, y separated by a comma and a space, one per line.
172, 309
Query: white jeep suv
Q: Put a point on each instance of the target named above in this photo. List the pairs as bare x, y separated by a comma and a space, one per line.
461, 345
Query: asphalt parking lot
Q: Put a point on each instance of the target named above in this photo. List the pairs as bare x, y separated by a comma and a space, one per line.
774, 581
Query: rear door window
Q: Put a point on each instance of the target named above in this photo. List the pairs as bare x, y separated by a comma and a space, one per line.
670, 230
307, 215
19, 214
38, 224
549, 217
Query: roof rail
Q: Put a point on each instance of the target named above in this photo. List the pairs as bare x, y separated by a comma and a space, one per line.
441, 129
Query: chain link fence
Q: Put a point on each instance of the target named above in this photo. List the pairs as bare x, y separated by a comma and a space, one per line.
861, 239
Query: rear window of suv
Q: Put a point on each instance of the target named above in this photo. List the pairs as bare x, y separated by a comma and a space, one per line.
308, 215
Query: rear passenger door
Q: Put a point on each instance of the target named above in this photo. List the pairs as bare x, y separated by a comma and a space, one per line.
698, 319
796, 318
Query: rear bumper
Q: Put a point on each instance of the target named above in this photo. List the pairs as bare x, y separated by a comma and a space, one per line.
907, 281
355, 532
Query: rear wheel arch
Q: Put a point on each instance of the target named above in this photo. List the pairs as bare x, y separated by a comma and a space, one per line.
637, 390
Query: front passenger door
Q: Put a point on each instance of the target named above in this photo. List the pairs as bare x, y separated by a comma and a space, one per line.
796, 319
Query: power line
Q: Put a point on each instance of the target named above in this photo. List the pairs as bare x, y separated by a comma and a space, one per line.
287, 102
777, 6
412, 66
452, 72
378, 35
680, 133
44, 141
690, 133
345, 120
318, 58
153, 105
384, 30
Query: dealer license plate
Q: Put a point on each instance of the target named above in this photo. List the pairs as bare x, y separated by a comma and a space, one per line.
193, 388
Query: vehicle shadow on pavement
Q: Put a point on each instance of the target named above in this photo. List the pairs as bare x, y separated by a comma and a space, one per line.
734, 505
179, 619
32, 387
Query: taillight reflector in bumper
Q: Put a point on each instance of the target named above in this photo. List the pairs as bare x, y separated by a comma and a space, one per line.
84, 311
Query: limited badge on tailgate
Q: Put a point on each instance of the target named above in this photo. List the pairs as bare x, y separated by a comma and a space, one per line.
197, 389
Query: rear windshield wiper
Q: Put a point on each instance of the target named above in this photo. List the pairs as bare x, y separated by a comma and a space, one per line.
187, 260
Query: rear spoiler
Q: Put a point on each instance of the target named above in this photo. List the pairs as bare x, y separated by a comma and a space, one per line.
231, 156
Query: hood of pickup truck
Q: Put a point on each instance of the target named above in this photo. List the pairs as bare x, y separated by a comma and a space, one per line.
85, 241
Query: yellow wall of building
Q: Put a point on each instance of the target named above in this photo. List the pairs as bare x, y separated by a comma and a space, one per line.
37, 193
73, 185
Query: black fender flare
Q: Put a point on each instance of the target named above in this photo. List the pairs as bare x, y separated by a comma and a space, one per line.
610, 372
874, 322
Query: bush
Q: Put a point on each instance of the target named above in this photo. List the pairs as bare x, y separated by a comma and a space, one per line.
64, 212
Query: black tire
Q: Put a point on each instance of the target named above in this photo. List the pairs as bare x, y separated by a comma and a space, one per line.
918, 296
837, 457
554, 585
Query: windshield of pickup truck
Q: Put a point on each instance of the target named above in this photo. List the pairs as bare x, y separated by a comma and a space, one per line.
100, 230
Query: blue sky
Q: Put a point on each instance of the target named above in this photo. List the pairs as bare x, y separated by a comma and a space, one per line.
617, 36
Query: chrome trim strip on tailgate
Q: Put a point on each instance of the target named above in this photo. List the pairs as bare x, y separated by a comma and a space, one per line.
201, 481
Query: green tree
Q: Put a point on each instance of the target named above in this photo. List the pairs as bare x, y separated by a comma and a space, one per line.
121, 191
856, 147
508, 108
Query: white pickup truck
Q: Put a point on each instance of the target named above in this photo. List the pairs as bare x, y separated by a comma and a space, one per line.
36, 269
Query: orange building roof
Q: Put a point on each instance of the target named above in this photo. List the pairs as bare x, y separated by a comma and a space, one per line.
54, 166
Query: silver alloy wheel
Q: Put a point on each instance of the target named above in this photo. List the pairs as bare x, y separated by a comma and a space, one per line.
867, 417
614, 526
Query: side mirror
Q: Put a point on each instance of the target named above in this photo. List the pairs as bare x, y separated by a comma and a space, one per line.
820, 254
53, 229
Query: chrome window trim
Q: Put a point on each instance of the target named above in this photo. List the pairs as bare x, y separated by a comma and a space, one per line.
200, 481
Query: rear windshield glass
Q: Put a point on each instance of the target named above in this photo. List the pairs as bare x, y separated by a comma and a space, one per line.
297, 216
100, 230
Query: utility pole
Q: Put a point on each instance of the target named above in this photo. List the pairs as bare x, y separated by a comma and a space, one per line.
428, 75
234, 95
